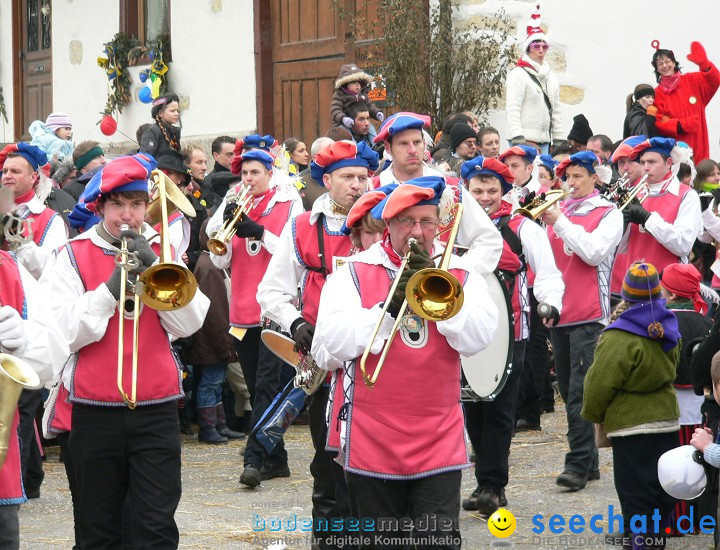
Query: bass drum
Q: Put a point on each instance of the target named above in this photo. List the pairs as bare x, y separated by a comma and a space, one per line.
485, 373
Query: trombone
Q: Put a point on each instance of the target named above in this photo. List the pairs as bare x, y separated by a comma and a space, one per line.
219, 240
433, 293
164, 286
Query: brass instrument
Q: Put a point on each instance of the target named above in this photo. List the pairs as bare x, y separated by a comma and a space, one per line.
616, 189
640, 192
219, 240
432, 293
15, 375
14, 226
166, 286
309, 376
540, 204
127, 261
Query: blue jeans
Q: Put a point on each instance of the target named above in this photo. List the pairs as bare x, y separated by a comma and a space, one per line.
573, 349
209, 390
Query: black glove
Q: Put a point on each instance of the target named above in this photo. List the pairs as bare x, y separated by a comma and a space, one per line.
138, 243
398, 297
113, 283
527, 199
247, 228
705, 200
302, 332
229, 211
546, 311
635, 213
419, 258
716, 195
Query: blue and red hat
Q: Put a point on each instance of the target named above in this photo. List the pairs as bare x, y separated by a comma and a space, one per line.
548, 162
415, 192
489, 166
400, 122
586, 159
662, 145
34, 155
520, 150
624, 150
260, 155
364, 205
341, 154
121, 175
81, 218
250, 143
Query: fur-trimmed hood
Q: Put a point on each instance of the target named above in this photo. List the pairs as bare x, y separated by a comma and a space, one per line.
352, 73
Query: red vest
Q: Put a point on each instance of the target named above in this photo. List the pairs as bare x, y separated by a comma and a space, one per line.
39, 225
585, 299
511, 262
250, 260
642, 245
60, 416
12, 294
336, 402
307, 251
94, 379
411, 424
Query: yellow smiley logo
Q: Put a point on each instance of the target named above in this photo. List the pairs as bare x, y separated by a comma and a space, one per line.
502, 523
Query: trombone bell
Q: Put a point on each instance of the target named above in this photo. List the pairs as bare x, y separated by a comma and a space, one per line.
434, 294
15, 375
539, 205
167, 286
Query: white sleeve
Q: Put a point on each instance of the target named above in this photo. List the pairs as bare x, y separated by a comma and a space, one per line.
480, 235
592, 247
187, 320
549, 286
711, 223
46, 350
514, 97
280, 283
270, 240
215, 224
472, 329
35, 258
679, 236
82, 315
557, 126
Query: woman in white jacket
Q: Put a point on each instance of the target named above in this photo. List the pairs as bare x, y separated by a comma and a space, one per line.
533, 94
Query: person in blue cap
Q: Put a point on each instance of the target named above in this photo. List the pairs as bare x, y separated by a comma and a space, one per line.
117, 450
663, 228
584, 232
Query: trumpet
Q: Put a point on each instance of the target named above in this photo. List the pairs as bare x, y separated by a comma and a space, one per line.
432, 293
640, 192
540, 204
217, 244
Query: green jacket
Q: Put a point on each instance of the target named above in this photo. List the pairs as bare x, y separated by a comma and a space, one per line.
630, 382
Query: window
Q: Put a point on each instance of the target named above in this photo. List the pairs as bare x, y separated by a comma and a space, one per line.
145, 19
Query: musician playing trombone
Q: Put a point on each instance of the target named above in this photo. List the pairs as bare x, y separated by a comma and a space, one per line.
124, 433
584, 233
663, 227
29, 333
403, 443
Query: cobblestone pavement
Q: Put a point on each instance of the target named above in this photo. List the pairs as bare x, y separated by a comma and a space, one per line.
215, 512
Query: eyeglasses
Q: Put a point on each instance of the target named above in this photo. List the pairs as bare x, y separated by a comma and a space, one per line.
409, 223
540, 46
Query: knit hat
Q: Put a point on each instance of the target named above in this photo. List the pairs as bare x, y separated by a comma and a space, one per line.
586, 159
642, 90
341, 154
34, 155
641, 283
364, 205
533, 29
61, 169
684, 280
625, 148
580, 131
488, 166
661, 145
459, 133
415, 192
58, 120
400, 122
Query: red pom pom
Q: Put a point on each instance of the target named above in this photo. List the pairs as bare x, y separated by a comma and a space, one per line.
108, 125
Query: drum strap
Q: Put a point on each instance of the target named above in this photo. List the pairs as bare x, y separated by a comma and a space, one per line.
515, 245
321, 247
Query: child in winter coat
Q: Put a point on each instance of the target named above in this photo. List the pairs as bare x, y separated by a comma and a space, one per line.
54, 136
352, 85
640, 117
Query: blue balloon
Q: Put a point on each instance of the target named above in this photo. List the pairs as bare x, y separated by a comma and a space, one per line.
143, 76
145, 95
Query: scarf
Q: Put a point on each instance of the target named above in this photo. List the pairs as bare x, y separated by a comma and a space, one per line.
669, 84
650, 320
395, 258
571, 204
541, 72
504, 210
685, 285
27, 197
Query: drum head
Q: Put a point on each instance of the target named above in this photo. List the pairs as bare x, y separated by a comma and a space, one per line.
487, 371
282, 346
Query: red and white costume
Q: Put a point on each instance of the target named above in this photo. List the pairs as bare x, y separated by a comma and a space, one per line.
45, 347
249, 259
583, 241
179, 234
409, 425
667, 236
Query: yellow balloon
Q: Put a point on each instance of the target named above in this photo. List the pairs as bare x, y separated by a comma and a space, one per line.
502, 523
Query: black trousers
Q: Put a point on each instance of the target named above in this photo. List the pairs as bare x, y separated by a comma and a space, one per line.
490, 427
430, 504
266, 376
9, 527
119, 453
63, 440
30, 456
330, 494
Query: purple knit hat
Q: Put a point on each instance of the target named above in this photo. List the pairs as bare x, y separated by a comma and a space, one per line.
58, 120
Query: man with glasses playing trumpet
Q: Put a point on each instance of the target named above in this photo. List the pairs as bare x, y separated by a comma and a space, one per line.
403, 443
584, 233
124, 435
662, 228
255, 216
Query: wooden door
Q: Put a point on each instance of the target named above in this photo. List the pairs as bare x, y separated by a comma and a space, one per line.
35, 65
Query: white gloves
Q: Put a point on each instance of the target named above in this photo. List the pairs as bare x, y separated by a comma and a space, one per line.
12, 332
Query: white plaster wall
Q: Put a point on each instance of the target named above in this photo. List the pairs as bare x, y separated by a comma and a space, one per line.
213, 68
6, 128
607, 46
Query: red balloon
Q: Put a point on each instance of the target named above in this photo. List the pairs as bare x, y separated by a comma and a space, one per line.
108, 125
